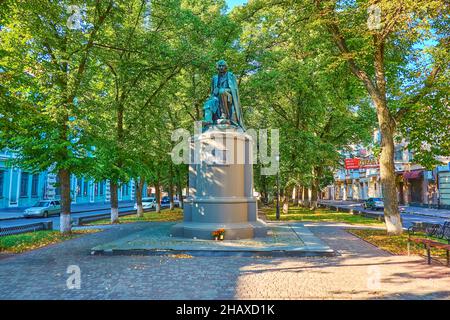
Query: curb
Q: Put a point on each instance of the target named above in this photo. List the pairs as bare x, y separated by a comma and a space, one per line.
213, 253
344, 208
427, 215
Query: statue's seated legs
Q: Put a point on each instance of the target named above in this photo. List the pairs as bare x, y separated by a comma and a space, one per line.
211, 110
226, 100
227, 107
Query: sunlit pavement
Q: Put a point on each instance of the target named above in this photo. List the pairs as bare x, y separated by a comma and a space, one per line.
360, 271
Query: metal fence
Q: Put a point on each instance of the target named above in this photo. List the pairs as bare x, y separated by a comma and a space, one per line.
363, 213
7, 231
78, 221
48, 225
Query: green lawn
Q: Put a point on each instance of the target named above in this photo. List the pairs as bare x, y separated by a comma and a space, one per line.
163, 216
397, 245
318, 215
32, 240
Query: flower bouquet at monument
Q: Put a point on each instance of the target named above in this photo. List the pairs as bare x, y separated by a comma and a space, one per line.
218, 234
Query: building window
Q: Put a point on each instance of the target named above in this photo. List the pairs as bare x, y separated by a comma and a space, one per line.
57, 186
1, 182
34, 185
24, 184
96, 189
102, 187
78, 187
398, 156
126, 189
85, 188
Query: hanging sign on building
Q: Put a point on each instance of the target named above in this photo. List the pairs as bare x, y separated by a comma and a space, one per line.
132, 192
50, 190
356, 163
107, 191
352, 163
369, 163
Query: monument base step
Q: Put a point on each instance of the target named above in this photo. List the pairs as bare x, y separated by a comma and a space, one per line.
282, 240
233, 231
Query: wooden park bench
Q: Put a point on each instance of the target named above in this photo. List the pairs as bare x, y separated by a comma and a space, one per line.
431, 230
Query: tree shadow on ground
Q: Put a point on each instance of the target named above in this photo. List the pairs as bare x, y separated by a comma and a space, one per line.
209, 278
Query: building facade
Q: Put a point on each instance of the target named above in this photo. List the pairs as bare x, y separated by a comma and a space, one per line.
416, 186
20, 188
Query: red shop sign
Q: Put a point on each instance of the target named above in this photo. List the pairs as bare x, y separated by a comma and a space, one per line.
351, 163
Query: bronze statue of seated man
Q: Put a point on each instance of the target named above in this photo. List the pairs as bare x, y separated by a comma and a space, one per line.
223, 105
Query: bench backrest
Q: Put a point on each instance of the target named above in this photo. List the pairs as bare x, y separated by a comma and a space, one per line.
445, 234
441, 231
433, 230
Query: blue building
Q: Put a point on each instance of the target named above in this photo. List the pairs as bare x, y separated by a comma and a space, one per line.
19, 188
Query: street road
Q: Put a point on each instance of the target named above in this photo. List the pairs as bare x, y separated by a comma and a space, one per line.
55, 218
409, 214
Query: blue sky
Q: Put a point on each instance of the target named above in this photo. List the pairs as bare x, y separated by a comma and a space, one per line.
232, 3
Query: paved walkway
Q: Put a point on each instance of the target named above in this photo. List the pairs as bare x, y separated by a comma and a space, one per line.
354, 274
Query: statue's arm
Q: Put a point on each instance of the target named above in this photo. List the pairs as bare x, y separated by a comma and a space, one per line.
233, 80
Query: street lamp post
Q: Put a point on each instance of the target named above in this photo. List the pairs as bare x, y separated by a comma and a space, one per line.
278, 188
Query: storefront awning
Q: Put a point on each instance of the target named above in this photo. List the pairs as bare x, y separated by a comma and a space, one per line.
411, 175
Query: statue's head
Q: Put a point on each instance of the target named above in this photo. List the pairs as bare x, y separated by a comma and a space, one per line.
221, 66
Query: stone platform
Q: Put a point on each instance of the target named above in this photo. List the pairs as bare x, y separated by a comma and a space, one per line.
292, 239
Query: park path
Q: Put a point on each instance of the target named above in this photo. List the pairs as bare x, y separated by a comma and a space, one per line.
353, 274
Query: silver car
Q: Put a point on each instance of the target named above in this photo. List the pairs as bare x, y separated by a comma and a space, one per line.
147, 203
43, 208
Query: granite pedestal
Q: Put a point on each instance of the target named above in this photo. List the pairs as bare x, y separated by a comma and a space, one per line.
221, 187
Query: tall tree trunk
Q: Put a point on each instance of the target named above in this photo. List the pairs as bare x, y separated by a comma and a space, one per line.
114, 202
305, 200
286, 195
386, 122
114, 184
139, 183
264, 193
315, 187
295, 191
313, 202
64, 219
387, 172
180, 192
172, 205
387, 126
158, 196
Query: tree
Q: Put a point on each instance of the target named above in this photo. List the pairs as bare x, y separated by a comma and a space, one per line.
376, 53
374, 46
46, 67
140, 62
318, 109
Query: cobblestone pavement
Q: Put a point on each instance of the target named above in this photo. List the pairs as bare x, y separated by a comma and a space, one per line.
41, 274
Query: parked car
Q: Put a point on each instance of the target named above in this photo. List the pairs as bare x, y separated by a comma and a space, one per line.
374, 203
43, 208
165, 201
147, 203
